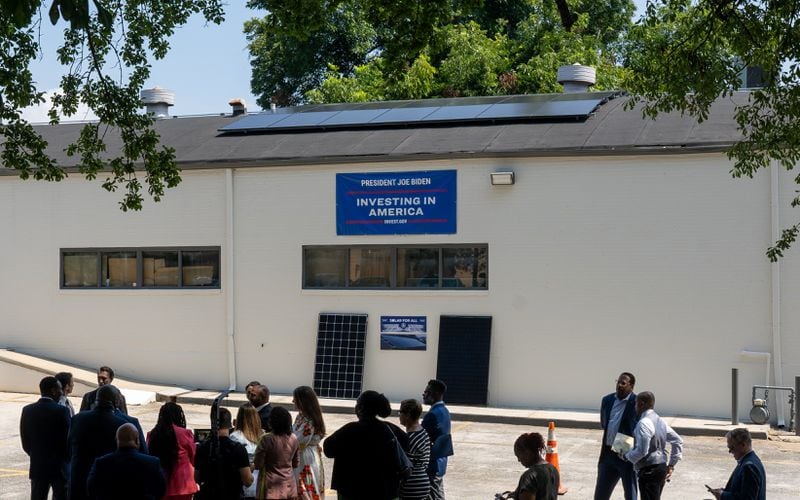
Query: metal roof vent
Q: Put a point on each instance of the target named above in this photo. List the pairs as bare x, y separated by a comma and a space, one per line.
576, 78
238, 106
157, 101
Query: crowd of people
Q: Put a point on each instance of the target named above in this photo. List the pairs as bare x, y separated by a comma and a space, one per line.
102, 453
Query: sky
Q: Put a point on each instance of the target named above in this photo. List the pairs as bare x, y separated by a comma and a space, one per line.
207, 66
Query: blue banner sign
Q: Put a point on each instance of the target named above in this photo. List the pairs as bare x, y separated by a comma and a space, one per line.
396, 203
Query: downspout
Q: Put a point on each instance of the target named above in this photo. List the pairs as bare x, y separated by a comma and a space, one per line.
230, 304
777, 360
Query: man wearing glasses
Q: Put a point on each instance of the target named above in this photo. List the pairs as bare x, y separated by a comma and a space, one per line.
748, 479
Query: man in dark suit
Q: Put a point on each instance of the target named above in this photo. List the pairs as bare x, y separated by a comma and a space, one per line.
105, 376
93, 434
126, 473
43, 430
437, 424
259, 397
617, 415
748, 479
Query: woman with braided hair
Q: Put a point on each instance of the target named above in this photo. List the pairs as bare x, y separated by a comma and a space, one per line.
540, 480
174, 446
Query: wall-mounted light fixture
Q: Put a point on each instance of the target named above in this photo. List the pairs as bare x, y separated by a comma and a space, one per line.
502, 178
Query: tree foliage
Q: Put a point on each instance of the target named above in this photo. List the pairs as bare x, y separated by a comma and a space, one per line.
105, 53
304, 52
687, 53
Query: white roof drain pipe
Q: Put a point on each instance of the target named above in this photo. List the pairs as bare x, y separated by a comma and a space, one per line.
775, 174
230, 308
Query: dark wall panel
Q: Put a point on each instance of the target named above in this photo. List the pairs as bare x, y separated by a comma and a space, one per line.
463, 360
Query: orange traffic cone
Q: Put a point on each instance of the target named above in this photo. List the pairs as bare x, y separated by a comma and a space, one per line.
552, 454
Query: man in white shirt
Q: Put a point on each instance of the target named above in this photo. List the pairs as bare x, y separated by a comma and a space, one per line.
649, 453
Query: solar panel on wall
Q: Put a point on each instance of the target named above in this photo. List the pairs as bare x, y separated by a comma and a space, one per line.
339, 365
463, 358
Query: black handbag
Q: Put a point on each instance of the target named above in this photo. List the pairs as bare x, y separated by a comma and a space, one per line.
403, 465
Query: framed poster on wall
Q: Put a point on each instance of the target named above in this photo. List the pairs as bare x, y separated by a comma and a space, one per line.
404, 333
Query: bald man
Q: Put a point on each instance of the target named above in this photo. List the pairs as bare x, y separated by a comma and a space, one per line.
126, 474
92, 435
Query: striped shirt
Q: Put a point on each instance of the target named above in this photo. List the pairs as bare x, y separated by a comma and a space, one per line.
419, 452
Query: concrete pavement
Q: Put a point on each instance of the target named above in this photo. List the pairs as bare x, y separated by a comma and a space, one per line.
484, 463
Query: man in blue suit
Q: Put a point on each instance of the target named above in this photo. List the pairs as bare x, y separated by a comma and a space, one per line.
437, 424
126, 473
617, 415
92, 435
43, 430
748, 480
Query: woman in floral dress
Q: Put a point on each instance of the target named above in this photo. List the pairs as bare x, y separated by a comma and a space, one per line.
309, 429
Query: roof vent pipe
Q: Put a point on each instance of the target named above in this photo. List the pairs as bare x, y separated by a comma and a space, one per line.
576, 78
239, 107
273, 107
157, 101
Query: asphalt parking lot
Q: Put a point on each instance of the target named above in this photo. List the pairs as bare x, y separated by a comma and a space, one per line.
484, 463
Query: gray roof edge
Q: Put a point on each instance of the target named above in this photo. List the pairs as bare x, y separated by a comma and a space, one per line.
654, 149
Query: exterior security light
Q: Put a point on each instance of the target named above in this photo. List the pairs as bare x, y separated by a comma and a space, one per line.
502, 178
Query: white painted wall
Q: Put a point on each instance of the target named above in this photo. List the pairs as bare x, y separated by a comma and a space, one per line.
597, 265
153, 335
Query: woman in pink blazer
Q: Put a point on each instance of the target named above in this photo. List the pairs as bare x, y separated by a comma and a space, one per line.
173, 444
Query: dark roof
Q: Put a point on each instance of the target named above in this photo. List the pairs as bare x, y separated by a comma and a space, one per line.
610, 130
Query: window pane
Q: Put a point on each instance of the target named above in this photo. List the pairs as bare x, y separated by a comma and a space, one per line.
201, 268
119, 269
80, 269
370, 267
324, 267
464, 267
418, 267
160, 268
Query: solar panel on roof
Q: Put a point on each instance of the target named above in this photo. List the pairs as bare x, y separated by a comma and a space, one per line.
404, 115
452, 113
570, 108
309, 119
539, 110
424, 112
354, 117
258, 121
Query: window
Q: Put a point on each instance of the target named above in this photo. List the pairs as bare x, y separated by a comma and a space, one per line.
403, 267
140, 268
80, 269
418, 267
370, 267
325, 267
